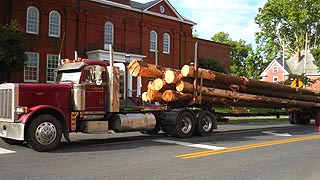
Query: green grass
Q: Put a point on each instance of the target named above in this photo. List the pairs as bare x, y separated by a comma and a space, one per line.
251, 110
244, 120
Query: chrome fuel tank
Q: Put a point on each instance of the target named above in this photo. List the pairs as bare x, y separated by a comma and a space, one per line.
133, 122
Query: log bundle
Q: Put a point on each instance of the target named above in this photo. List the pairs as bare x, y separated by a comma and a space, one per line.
175, 87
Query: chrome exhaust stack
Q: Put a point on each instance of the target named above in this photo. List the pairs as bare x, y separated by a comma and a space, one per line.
113, 89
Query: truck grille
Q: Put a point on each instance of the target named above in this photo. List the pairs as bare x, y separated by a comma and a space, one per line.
6, 103
9, 97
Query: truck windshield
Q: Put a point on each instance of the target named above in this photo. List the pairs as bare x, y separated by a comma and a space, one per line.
69, 76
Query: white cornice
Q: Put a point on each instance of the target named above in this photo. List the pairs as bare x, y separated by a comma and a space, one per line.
168, 17
114, 4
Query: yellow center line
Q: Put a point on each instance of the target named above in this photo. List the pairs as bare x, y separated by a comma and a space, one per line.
245, 147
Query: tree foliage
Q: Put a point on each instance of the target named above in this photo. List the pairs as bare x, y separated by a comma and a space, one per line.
12, 56
316, 55
289, 22
211, 64
244, 61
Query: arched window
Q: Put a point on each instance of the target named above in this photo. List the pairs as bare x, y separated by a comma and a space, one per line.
108, 34
166, 43
54, 24
153, 40
32, 24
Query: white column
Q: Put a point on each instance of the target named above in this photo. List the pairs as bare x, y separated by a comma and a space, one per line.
139, 85
129, 85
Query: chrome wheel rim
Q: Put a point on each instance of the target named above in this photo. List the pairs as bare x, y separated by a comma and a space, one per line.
46, 133
206, 123
186, 125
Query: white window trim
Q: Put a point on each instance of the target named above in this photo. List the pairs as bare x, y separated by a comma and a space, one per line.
169, 42
37, 76
275, 77
47, 73
106, 45
38, 15
275, 69
59, 25
156, 41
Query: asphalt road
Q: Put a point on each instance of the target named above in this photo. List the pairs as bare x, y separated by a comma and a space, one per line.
250, 151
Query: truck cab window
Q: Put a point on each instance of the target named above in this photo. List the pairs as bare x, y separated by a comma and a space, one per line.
94, 75
68, 76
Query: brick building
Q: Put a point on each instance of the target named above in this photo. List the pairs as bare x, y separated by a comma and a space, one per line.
153, 32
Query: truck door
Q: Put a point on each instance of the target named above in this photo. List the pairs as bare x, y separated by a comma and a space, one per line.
94, 78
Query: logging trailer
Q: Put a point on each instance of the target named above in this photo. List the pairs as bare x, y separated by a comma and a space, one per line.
89, 96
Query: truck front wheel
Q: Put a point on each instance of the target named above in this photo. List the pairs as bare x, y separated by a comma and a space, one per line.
44, 133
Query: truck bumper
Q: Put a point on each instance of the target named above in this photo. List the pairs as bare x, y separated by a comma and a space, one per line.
12, 130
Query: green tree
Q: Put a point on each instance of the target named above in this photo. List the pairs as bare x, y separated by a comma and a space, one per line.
244, 61
316, 55
289, 22
12, 56
211, 64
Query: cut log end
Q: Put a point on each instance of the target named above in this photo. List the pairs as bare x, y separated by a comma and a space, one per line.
144, 97
157, 84
187, 71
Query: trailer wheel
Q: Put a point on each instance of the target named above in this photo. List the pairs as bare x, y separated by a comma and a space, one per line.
185, 125
12, 141
206, 123
293, 117
44, 133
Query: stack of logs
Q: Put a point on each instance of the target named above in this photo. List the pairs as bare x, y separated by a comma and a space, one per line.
171, 86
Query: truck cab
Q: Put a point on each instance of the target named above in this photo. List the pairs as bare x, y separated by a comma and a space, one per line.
85, 98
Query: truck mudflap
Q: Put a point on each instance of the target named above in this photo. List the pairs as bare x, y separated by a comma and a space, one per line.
12, 130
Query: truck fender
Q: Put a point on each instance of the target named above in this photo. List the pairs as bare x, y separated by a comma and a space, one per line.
24, 118
170, 117
46, 109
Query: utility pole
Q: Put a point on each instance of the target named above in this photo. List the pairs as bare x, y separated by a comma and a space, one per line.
283, 54
306, 55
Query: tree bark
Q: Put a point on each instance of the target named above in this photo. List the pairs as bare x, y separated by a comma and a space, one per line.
154, 96
143, 69
174, 96
188, 71
186, 88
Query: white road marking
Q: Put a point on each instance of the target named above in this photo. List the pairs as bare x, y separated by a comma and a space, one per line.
277, 134
202, 146
6, 151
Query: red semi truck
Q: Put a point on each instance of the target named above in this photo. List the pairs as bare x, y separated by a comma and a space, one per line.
87, 97
90, 96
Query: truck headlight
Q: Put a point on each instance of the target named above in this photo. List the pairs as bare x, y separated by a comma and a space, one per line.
21, 110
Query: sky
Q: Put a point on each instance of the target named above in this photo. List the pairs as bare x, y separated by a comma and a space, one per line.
235, 17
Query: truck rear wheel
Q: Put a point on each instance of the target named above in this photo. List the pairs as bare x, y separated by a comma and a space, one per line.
206, 123
185, 125
44, 133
